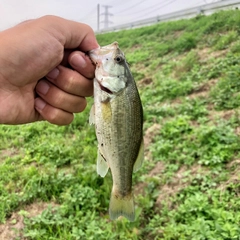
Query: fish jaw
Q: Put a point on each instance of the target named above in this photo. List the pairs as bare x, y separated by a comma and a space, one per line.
112, 85
96, 54
110, 68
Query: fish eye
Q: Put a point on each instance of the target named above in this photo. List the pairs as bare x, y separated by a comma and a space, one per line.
118, 59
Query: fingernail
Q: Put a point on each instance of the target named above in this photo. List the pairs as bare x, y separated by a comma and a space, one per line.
53, 74
78, 61
39, 104
42, 87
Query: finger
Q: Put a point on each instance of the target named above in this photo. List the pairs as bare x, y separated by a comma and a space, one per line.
60, 99
70, 33
82, 63
71, 81
51, 114
66, 55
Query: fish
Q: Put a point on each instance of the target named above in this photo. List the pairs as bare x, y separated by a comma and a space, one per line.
117, 113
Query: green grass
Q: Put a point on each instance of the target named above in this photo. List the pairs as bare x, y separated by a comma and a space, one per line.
188, 77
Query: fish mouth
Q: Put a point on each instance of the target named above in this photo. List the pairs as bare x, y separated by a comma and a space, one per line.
105, 89
93, 55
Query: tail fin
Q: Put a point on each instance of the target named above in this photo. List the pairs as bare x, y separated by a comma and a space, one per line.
122, 206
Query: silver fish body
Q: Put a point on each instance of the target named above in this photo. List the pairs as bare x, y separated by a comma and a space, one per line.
118, 117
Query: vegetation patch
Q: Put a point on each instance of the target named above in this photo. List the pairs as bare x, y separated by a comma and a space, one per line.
188, 76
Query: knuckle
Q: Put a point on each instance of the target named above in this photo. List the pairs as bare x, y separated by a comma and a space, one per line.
58, 100
53, 116
70, 83
58, 117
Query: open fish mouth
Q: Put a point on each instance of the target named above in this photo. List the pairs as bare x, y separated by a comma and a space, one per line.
105, 89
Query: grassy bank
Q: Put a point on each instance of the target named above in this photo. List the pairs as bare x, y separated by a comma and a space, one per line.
188, 76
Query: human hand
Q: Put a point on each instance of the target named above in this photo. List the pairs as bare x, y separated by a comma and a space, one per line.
44, 72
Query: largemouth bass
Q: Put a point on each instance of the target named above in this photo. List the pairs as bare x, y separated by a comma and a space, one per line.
118, 117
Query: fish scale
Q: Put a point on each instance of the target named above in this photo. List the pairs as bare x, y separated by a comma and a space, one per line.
118, 117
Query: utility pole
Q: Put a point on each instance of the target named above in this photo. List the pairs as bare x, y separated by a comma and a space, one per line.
98, 17
106, 14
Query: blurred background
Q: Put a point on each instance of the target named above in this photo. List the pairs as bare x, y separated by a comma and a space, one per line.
99, 15
187, 73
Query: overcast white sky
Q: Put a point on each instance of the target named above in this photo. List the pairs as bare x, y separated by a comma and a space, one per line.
15, 11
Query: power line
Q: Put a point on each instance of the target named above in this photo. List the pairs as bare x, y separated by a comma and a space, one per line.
212, 1
156, 9
202, 1
151, 7
89, 13
118, 2
129, 8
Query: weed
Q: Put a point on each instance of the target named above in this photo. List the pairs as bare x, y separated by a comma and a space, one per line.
236, 47
185, 42
189, 61
224, 41
225, 95
195, 196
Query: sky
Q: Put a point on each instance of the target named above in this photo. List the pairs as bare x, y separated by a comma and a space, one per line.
13, 12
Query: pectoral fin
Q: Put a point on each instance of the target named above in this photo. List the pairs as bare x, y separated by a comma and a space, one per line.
140, 158
92, 115
102, 166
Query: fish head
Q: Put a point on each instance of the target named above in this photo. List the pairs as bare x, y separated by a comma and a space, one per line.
111, 68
